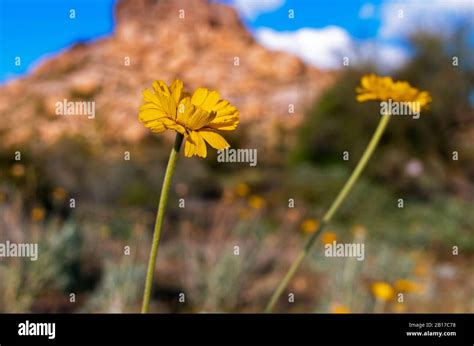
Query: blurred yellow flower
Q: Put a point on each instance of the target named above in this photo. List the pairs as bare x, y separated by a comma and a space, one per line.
399, 308
328, 237
339, 309
59, 193
359, 231
37, 214
374, 87
17, 170
242, 189
403, 285
196, 117
421, 269
256, 202
310, 225
383, 291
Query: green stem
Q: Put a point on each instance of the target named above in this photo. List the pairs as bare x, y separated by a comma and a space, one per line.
159, 220
331, 211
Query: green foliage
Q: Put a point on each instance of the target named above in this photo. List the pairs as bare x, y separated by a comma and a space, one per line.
443, 222
338, 123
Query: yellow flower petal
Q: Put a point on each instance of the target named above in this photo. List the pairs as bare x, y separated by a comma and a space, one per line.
199, 119
227, 123
161, 88
189, 148
214, 139
211, 101
177, 90
168, 105
156, 126
148, 96
200, 149
199, 96
185, 111
151, 114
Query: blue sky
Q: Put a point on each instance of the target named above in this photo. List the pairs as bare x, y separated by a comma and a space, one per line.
321, 31
315, 14
34, 29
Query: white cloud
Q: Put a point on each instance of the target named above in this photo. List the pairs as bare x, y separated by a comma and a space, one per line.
367, 11
400, 18
252, 8
325, 48
387, 57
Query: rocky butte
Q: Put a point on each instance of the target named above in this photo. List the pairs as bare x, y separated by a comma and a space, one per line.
203, 43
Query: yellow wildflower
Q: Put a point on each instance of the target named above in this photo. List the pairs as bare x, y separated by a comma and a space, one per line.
242, 189
403, 285
196, 117
374, 87
400, 308
37, 214
17, 170
383, 291
310, 226
256, 202
339, 309
59, 193
421, 270
359, 231
328, 237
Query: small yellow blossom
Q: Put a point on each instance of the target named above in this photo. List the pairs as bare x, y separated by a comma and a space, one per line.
383, 291
339, 309
242, 189
399, 308
328, 237
17, 170
197, 117
59, 194
359, 231
421, 270
310, 225
37, 214
374, 87
403, 285
256, 202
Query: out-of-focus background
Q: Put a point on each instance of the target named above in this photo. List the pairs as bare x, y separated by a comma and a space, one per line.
291, 67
